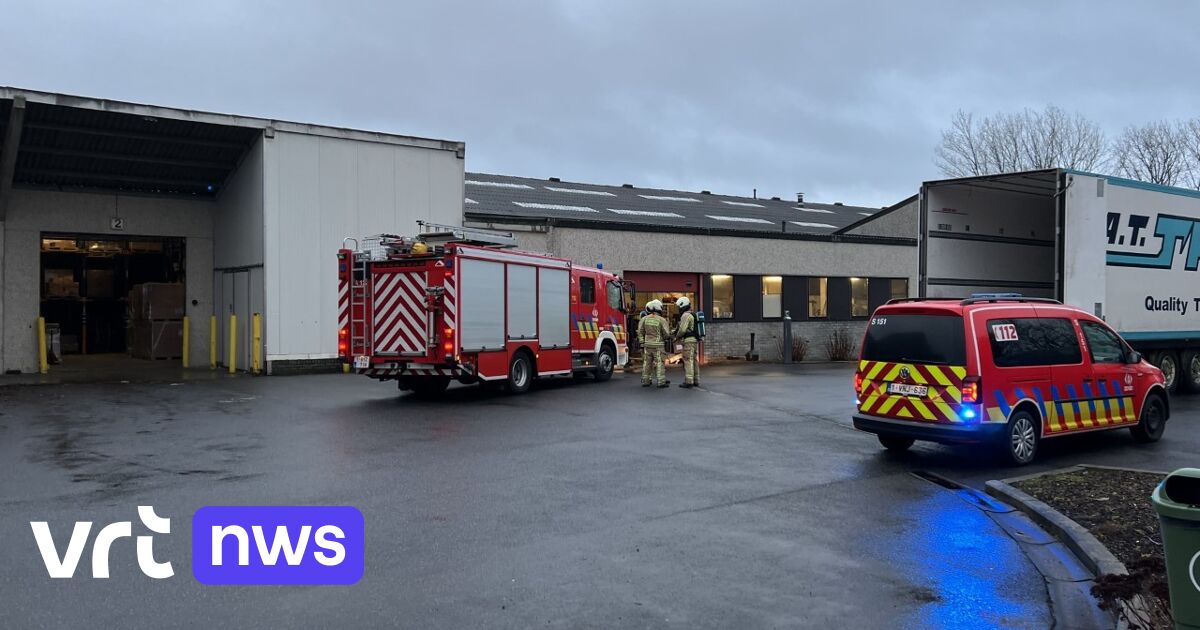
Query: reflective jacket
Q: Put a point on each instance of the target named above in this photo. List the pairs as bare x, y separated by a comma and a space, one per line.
653, 329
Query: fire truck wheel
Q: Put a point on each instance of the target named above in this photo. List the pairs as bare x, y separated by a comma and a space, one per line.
520, 373
606, 362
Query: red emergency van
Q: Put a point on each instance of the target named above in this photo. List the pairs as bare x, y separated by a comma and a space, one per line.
454, 303
1000, 369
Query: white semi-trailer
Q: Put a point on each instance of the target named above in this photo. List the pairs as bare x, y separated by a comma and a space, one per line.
1125, 250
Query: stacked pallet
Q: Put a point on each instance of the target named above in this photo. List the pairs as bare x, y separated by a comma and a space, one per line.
156, 320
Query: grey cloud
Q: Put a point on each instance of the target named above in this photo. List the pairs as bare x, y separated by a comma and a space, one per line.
841, 100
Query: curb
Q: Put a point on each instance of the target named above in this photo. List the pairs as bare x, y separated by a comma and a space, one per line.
1090, 551
1094, 555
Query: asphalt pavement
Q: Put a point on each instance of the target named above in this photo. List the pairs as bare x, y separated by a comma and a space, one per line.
750, 503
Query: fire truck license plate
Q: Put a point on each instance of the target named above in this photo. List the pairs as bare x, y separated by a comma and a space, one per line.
362, 362
908, 390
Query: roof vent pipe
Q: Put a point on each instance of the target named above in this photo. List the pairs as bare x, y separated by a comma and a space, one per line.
755, 193
799, 197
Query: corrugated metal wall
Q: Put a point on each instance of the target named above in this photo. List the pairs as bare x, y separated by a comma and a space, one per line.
318, 190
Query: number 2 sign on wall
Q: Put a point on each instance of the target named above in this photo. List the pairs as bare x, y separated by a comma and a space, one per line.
1004, 332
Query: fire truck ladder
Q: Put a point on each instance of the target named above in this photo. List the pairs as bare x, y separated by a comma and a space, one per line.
438, 233
358, 306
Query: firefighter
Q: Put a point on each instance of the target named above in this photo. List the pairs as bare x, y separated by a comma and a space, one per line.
653, 331
691, 340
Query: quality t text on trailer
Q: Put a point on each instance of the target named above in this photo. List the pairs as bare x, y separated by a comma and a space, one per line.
460, 304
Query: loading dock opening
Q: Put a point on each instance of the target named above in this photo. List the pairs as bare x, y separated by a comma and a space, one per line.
86, 284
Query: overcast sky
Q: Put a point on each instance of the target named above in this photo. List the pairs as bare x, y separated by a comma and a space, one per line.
841, 100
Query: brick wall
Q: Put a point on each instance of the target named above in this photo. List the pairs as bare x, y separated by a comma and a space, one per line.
726, 339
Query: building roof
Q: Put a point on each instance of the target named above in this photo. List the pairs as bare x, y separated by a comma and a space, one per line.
498, 198
75, 142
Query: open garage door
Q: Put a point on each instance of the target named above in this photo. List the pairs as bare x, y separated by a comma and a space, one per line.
107, 300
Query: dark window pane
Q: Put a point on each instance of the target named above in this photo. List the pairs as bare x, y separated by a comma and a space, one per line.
587, 290
1033, 341
1104, 345
915, 339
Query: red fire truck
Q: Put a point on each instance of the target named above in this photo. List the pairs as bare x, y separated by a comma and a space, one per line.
456, 303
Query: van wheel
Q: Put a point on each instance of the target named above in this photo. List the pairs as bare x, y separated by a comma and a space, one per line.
1169, 364
520, 374
1021, 438
1152, 423
895, 443
606, 362
1191, 370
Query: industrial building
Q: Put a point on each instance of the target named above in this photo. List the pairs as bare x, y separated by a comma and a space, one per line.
747, 261
99, 196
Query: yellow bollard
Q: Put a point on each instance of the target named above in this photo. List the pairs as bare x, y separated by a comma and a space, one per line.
232, 343
43, 364
212, 342
187, 342
256, 343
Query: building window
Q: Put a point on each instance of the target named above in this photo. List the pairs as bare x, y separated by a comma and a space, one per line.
587, 290
899, 288
772, 296
722, 296
860, 305
818, 298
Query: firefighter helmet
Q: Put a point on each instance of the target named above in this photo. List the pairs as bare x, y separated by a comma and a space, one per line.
683, 303
654, 306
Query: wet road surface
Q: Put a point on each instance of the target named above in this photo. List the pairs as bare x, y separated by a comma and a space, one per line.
750, 504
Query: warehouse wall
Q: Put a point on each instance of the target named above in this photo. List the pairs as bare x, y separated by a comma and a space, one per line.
901, 221
623, 250
318, 190
35, 211
238, 220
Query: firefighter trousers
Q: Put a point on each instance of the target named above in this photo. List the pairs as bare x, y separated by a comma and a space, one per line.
691, 362
652, 363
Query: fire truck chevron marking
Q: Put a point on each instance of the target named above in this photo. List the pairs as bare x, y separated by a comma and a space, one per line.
399, 312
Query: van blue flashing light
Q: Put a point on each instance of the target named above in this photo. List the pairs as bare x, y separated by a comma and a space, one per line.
967, 413
996, 296
599, 265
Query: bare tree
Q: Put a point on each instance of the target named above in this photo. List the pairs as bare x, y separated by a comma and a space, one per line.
1156, 152
1020, 141
1190, 136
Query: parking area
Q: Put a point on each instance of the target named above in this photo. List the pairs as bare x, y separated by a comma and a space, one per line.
749, 503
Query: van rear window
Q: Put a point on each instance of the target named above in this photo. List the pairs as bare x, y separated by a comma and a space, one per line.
935, 339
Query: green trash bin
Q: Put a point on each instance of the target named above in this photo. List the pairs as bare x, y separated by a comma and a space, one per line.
1177, 500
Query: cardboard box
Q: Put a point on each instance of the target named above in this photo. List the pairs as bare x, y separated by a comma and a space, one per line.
99, 283
156, 300
156, 339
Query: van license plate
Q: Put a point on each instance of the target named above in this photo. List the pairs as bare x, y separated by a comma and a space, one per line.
362, 362
908, 390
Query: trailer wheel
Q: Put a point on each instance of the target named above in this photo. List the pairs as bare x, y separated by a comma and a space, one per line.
606, 362
520, 374
1191, 370
1168, 362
